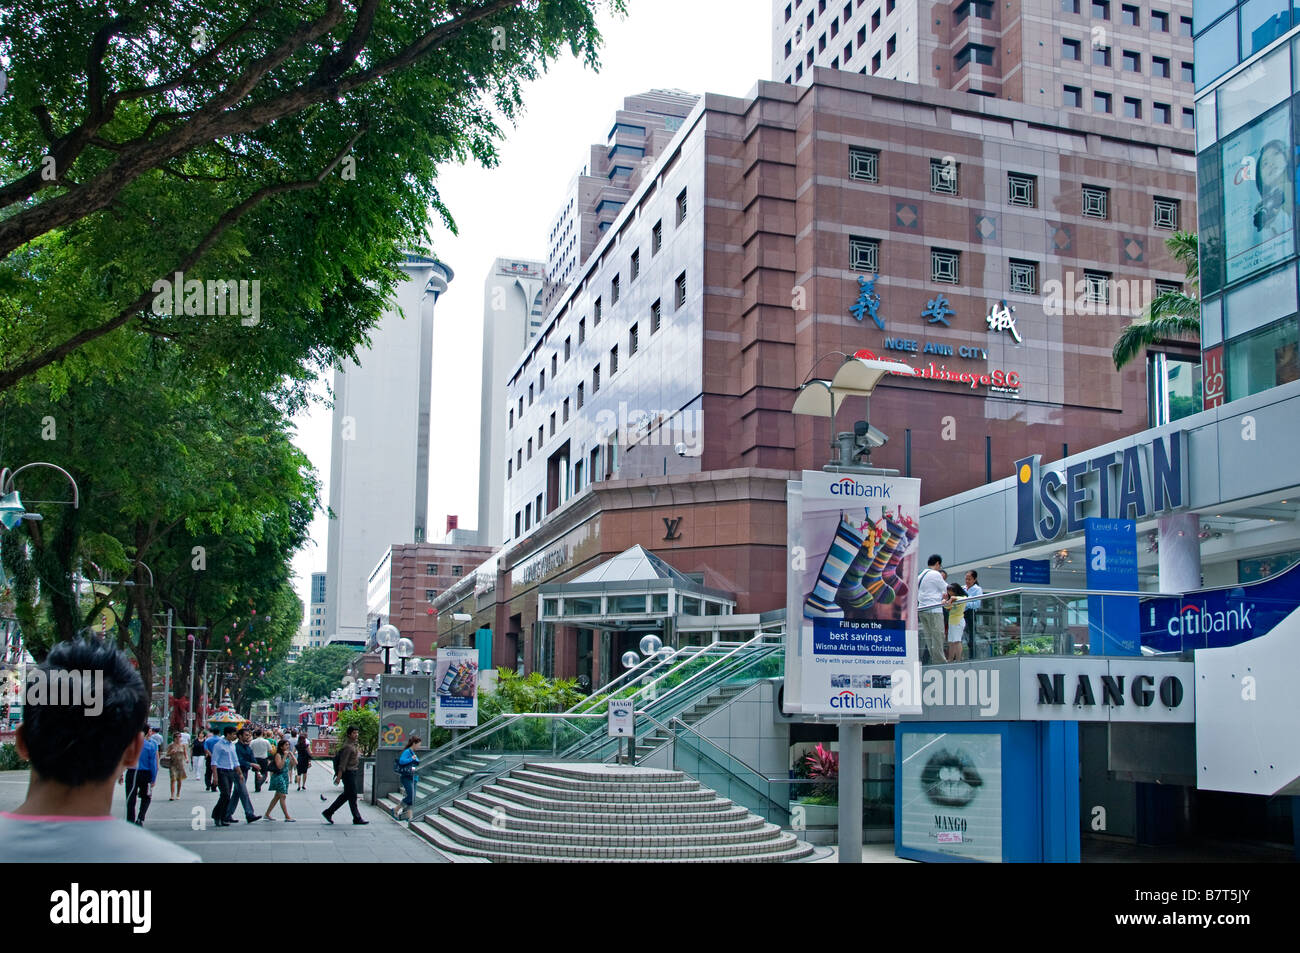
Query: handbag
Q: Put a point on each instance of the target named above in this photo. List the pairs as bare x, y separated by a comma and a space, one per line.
406, 770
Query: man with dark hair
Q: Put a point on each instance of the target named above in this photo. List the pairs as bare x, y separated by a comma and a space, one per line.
247, 763
346, 765
140, 781
78, 752
973, 590
930, 590
225, 770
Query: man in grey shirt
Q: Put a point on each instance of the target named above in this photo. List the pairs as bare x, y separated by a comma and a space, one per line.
78, 751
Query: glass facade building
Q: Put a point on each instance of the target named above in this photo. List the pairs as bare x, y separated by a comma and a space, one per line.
1247, 141
1228, 32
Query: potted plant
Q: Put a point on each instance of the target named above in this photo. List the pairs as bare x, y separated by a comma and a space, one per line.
818, 806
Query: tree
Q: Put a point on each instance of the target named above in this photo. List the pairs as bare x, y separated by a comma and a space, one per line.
292, 145
1171, 314
366, 721
317, 671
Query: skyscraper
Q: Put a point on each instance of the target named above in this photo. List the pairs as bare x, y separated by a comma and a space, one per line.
1128, 61
379, 448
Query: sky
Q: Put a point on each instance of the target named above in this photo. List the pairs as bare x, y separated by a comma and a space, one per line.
716, 46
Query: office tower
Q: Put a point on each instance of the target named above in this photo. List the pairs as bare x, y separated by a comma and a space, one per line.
379, 447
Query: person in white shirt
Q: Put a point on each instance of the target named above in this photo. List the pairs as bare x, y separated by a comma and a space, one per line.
262, 752
930, 591
77, 758
972, 590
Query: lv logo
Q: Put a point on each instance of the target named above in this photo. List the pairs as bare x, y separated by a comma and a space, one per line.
670, 525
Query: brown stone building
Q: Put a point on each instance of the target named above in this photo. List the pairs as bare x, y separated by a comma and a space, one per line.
995, 247
407, 580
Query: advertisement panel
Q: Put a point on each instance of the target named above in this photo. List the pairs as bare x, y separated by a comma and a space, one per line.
853, 562
1215, 618
1258, 195
404, 706
951, 794
620, 717
456, 678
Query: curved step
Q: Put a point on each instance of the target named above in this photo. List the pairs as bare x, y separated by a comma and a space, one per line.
722, 812
501, 814
615, 798
629, 786
503, 827
548, 802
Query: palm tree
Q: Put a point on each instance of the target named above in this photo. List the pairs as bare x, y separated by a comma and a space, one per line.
1172, 314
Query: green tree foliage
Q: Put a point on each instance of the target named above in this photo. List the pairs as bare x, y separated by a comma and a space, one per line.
316, 673
1172, 314
366, 721
292, 144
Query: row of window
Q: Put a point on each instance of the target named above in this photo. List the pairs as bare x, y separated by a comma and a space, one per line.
1130, 60
615, 292
1130, 15
1022, 275
1022, 188
432, 569
633, 345
1102, 102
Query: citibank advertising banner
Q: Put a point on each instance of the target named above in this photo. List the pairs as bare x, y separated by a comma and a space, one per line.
951, 794
1215, 618
404, 706
849, 592
456, 678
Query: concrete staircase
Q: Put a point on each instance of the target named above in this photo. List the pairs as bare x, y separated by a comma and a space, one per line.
696, 713
602, 813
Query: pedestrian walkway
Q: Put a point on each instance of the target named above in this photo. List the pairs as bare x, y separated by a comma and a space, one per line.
308, 841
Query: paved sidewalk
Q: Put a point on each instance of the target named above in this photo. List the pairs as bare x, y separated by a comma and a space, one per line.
308, 841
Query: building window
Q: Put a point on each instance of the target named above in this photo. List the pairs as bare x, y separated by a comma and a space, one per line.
656, 314
1164, 213
1024, 277
943, 176
1071, 49
582, 330
976, 52
541, 382
521, 406
1132, 108
821, 43
537, 507
552, 424
458, 570
634, 266
519, 459
430, 595
631, 340
595, 379
891, 46
862, 36
657, 237
864, 164
681, 207
539, 438
1189, 118
1188, 73
568, 342
565, 414
510, 467
1160, 67
1022, 190
848, 51
580, 395
1161, 113
528, 516
945, 266
517, 523
864, 254
1101, 9
1073, 97
1168, 287
1097, 286
787, 47
1159, 22
980, 9
1069, 6
1101, 102
1185, 26
613, 290
431, 569
530, 395
599, 310
530, 448
787, 13
679, 291
1101, 56
1131, 62
555, 365
511, 425
613, 360
1096, 202
1128, 15
875, 63
875, 21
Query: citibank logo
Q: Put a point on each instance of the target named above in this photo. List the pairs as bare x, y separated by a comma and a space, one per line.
848, 699
1197, 620
848, 486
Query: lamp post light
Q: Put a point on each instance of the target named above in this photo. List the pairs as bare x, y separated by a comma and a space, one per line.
426, 666
388, 638
405, 649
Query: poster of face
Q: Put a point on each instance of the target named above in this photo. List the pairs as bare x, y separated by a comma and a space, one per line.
455, 681
951, 796
850, 592
1259, 195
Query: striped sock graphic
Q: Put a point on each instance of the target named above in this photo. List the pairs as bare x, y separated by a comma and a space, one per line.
820, 603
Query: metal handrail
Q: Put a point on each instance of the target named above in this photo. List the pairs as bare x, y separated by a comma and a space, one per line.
760, 638
681, 655
1045, 591
496, 724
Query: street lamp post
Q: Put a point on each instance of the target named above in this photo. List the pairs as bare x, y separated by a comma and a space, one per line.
405, 649
388, 638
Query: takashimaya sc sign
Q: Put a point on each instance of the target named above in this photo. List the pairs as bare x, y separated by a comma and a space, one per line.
1132, 483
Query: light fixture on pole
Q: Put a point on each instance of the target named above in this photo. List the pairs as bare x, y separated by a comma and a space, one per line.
387, 637
405, 649
426, 666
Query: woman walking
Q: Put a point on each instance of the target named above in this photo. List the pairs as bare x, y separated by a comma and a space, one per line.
406, 763
177, 755
281, 763
304, 761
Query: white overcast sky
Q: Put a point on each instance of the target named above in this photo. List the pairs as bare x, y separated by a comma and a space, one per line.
718, 46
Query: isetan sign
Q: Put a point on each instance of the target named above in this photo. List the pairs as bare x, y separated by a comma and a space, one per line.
1132, 483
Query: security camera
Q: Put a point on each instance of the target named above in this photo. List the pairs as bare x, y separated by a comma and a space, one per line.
681, 449
869, 436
